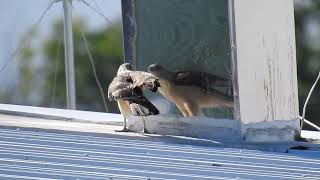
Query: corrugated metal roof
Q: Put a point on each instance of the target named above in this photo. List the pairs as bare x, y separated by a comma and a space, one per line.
27, 154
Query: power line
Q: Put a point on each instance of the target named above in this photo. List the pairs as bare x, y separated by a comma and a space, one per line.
23, 44
311, 124
56, 68
55, 73
307, 100
94, 70
96, 10
97, 5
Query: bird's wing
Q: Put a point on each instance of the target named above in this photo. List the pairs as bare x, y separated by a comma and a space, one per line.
141, 106
121, 86
145, 79
201, 79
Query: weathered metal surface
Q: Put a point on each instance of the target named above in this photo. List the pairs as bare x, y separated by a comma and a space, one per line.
35, 155
69, 55
271, 131
225, 130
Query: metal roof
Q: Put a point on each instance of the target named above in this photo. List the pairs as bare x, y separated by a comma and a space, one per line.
31, 154
44, 143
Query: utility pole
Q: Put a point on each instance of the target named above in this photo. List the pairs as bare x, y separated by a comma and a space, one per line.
68, 55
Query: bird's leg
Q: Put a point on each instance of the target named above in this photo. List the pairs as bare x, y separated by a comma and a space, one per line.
205, 85
125, 129
145, 130
183, 110
192, 108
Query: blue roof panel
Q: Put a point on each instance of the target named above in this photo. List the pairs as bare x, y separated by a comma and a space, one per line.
62, 155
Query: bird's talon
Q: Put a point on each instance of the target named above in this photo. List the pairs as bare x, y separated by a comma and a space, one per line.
123, 130
144, 131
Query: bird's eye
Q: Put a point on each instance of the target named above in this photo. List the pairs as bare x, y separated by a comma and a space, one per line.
129, 80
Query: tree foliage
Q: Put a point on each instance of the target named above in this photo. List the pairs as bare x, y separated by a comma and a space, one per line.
106, 48
307, 19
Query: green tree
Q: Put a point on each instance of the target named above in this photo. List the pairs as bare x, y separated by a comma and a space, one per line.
106, 48
307, 17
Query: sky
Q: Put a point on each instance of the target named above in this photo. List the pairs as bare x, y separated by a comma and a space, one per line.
17, 16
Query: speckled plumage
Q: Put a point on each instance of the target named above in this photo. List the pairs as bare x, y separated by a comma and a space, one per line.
127, 89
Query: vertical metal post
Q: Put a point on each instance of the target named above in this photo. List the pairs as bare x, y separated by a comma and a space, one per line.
69, 57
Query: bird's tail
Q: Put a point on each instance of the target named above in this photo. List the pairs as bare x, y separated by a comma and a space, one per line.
143, 107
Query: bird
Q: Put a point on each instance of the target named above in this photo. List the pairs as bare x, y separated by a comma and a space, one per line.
127, 89
201, 79
190, 91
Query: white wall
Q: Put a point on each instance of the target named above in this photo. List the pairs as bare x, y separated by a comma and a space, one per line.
266, 60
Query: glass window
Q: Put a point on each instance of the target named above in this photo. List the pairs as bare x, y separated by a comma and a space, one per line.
183, 35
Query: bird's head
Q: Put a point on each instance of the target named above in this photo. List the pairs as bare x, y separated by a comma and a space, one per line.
159, 71
153, 85
125, 67
110, 96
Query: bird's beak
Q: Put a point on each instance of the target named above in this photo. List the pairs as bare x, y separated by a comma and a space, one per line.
157, 83
154, 86
110, 97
